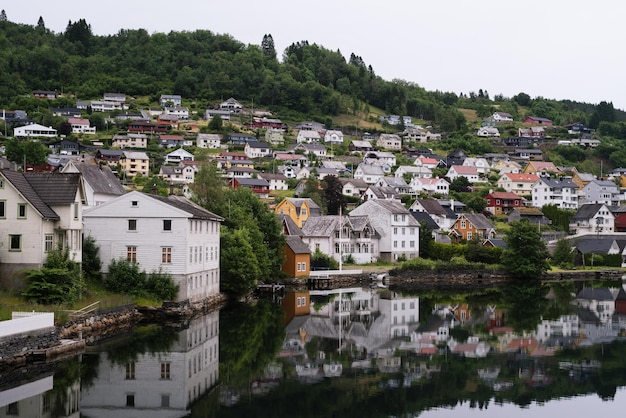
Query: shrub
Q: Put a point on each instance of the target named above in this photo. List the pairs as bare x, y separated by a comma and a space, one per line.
161, 285
125, 277
58, 281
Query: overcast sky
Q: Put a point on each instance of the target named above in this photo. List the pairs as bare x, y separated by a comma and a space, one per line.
557, 49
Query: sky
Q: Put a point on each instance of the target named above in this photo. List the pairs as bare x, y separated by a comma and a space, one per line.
556, 49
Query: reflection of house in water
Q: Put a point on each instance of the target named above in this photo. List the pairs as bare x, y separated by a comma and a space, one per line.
162, 384
361, 316
602, 301
559, 331
35, 399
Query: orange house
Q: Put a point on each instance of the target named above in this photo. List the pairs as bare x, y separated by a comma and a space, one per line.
469, 226
535, 167
296, 304
297, 257
299, 210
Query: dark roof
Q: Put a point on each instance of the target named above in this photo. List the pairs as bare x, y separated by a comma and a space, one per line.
289, 226
55, 188
587, 211
433, 207
297, 245
182, 203
111, 152
252, 182
479, 220
425, 217
599, 293
100, 178
496, 242
594, 246
18, 180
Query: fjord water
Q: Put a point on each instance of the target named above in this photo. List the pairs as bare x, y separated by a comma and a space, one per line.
526, 350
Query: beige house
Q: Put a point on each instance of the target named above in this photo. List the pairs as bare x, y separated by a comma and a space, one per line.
135, 162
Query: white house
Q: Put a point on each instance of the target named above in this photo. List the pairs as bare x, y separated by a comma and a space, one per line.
210, 141
481, 164
396, 183
399, 231
276, 181
519, 183
231, 105
178, 155
169, 234
601, 191
275, 136
381, 156
502, 117
182, 174
413, 171
170, 100
429, 185
34, 130
257, 149
39, 212
333, 137
593, 218
99, 182
308, 137
353, 187
180, 112
488, 131
343, 236
81, 126
389, 141
563, 193
318, 150
123, 141
470, 173
369, 173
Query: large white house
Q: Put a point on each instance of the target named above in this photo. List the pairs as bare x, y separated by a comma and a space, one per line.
99, 182
399, 231
171, 234
39, 212
562, 193
34, 130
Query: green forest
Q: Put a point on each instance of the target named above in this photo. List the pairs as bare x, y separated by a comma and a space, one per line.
306, 80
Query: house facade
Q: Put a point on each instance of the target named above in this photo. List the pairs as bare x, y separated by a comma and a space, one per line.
601, 191
130, 141
470, 226
170, 234
519, 183
399, 231
593, 218
562, 193
502, 203
135, 162
470, 173
39, 212
210, 141
299, 210
389, 141
34, 130
257, 150
297, 257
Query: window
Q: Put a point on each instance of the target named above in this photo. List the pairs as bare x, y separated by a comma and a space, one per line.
130, 400
13, 409
48, 242
132, 224
165, 371
412, 244
15, 243
2, 209
166, 255
134, 203
165, 401
131, 254
463, 225
75, 210
21, 210
395, 244
469, 235
130, 371
167, 224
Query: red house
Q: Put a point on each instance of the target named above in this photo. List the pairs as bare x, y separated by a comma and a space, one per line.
620, 218
537, 120
260, 187
501, 203
146, 127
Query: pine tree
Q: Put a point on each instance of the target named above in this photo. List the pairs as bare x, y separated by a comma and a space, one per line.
3, 16
267, 45
40, 23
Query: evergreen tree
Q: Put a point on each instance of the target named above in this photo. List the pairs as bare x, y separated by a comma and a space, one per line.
333, 193
40, 23
267, 46
3, 16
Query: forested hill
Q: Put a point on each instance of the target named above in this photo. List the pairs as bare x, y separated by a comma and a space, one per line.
309, 81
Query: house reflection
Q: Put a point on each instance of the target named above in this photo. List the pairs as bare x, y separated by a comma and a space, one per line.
163, 384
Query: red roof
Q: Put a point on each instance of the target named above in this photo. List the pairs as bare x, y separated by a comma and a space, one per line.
529, 178
503, 195
468, 170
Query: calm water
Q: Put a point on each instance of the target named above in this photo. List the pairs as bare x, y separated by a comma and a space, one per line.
534, 350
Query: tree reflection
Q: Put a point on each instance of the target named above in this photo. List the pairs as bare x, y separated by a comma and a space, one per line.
526, 302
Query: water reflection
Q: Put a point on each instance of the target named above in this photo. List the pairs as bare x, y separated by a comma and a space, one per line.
351, 352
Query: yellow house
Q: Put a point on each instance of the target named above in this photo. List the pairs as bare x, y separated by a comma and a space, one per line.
135, 162
299, 210
582, 179
535, 167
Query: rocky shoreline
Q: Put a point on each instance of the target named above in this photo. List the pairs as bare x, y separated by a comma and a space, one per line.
73, 336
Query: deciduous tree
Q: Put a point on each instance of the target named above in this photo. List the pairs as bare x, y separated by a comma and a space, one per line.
525, 255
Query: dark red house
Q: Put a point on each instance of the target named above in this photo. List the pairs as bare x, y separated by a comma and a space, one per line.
501, 203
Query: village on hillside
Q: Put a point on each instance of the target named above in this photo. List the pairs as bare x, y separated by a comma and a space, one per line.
395, 186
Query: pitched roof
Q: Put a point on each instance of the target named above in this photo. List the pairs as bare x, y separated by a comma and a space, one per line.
297, 245
479, 220
522, 177
289, 226
432, 207
425, 217
598, 293
320, 226
587, 211
464, 170
503, 195
182, 203
100, 178
55, 188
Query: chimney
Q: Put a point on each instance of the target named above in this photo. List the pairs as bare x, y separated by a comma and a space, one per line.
452, 204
